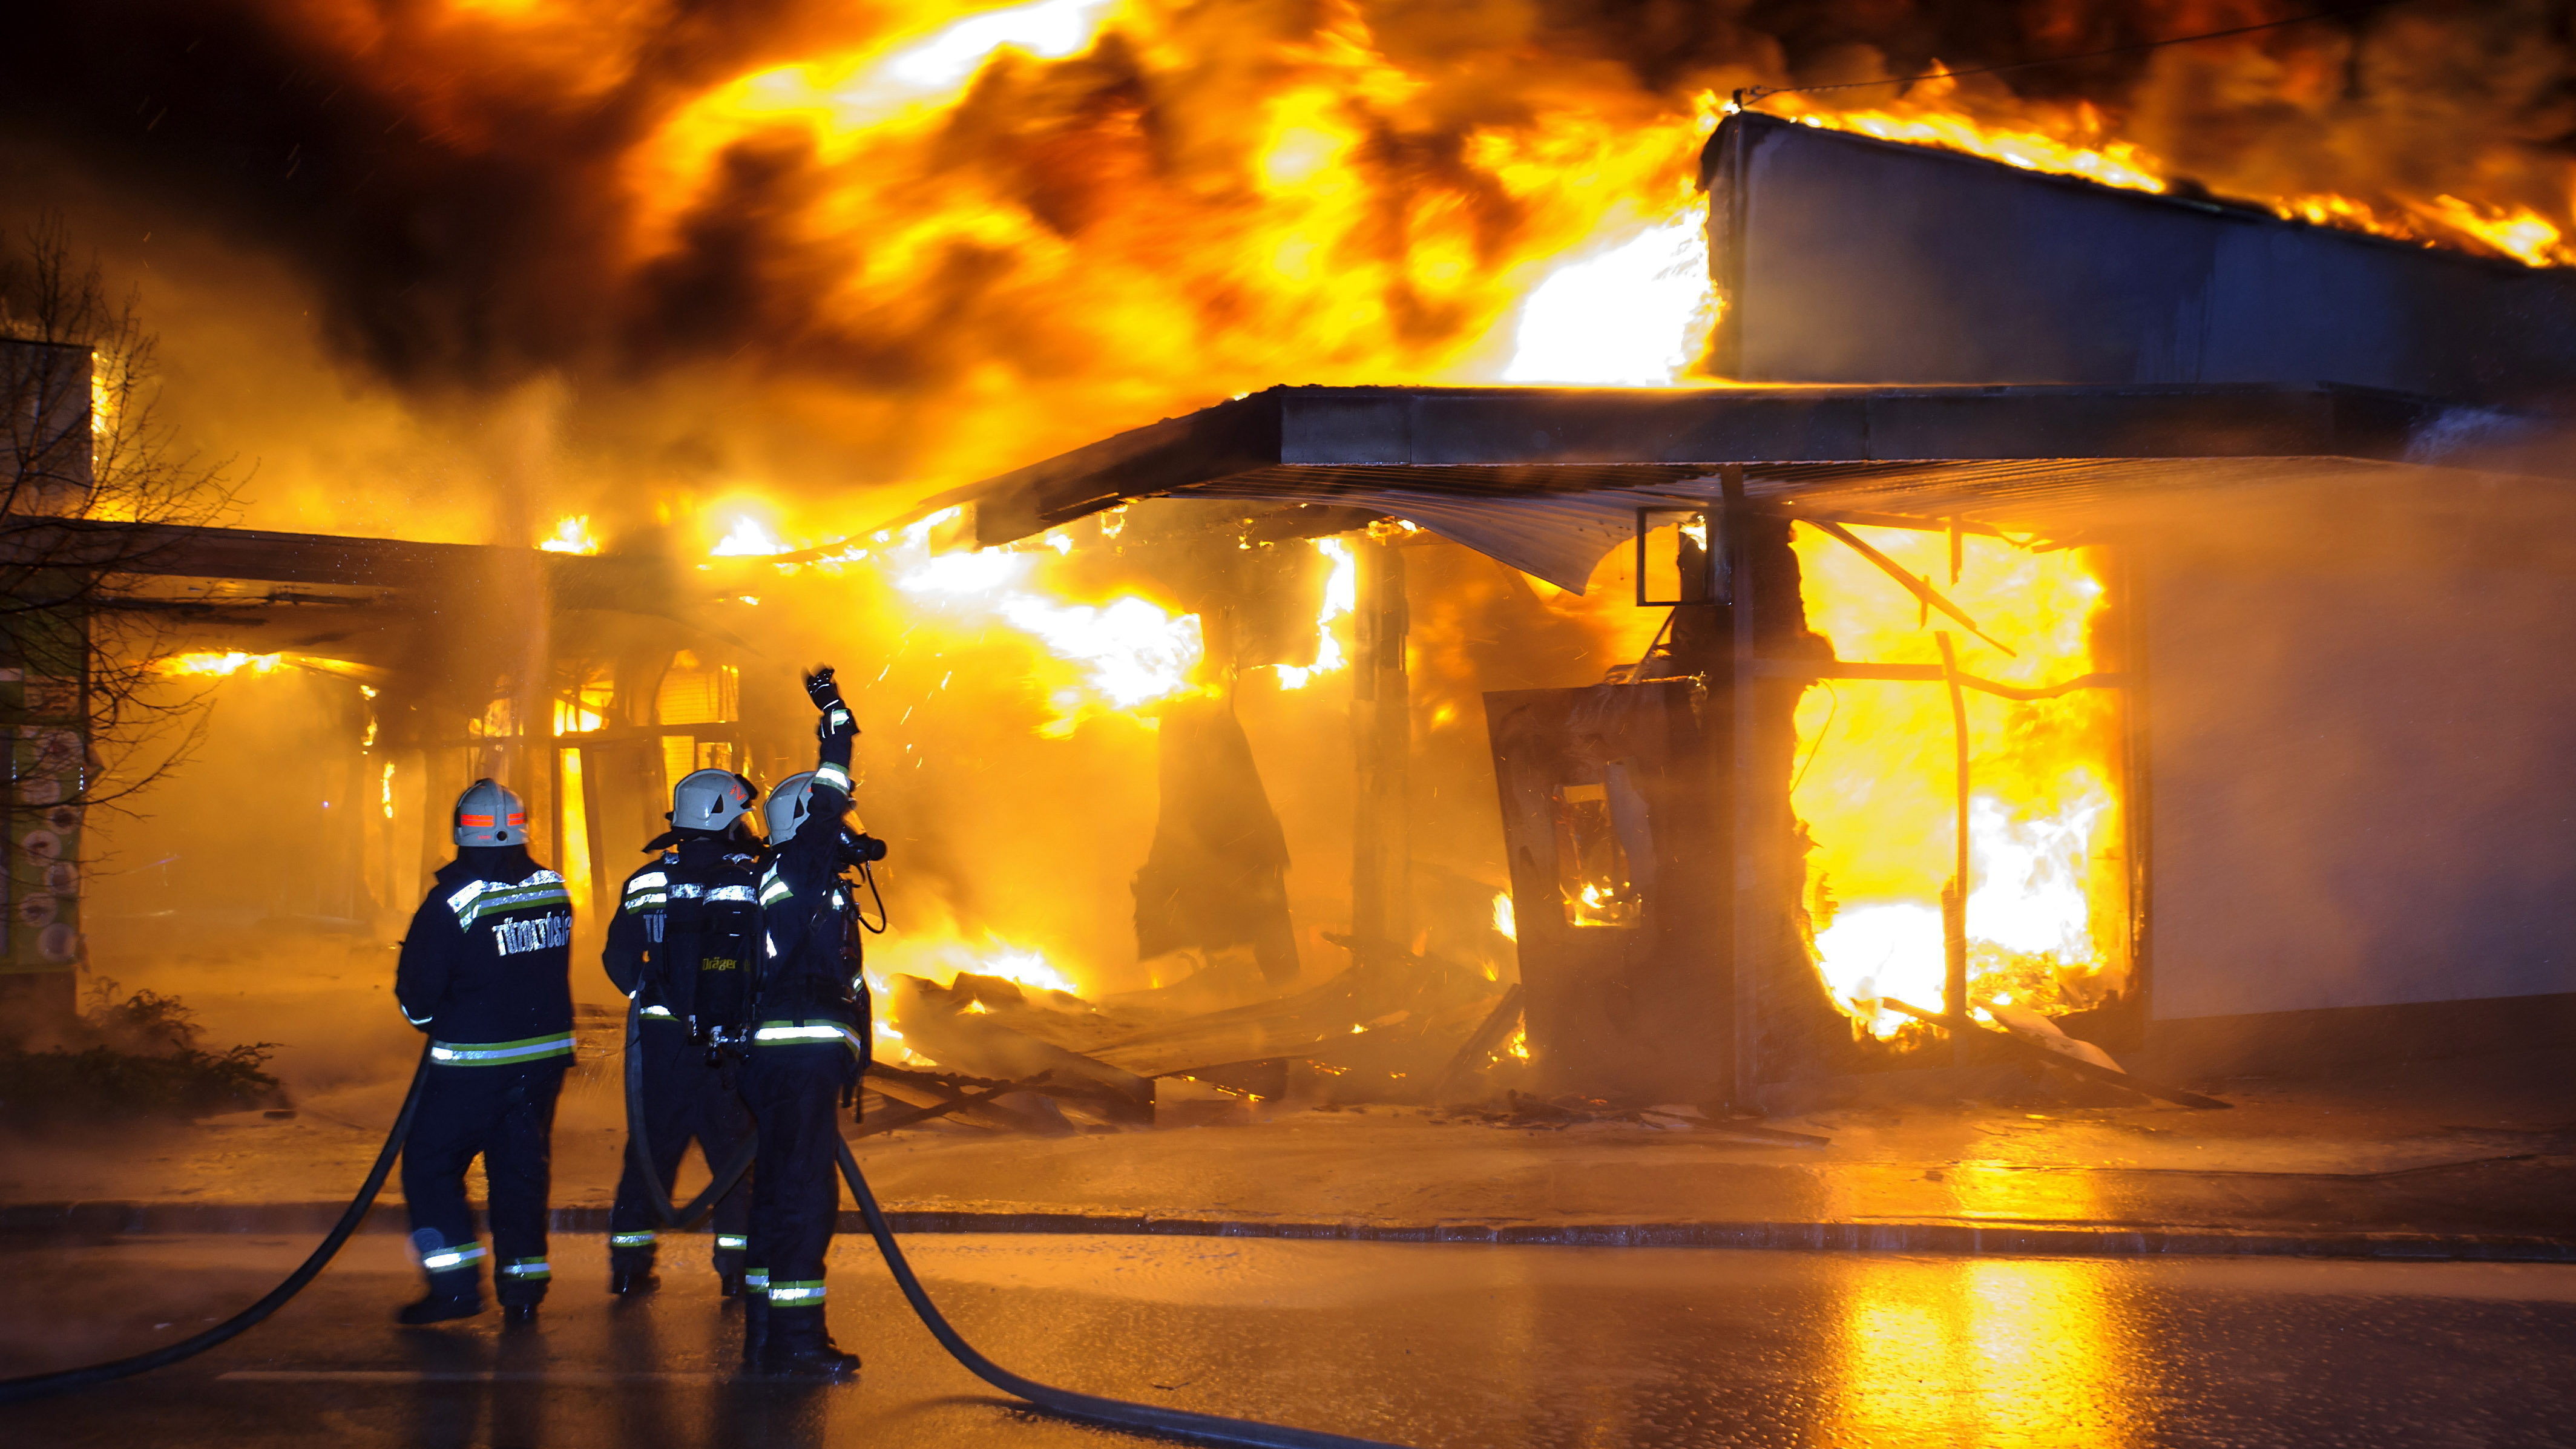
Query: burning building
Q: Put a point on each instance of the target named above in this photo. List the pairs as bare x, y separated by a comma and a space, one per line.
2071, 622
1946, 656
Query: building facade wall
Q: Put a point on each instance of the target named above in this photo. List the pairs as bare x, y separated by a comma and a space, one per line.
2361, 739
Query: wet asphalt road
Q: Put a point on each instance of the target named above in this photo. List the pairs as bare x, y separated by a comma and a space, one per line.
1421, 1345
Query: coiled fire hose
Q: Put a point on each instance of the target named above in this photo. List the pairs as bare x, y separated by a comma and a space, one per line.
37, 1386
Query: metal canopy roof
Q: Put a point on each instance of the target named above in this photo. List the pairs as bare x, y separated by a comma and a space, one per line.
1547, 479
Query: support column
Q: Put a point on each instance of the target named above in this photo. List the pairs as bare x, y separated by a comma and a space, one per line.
1382, 740
1752, 886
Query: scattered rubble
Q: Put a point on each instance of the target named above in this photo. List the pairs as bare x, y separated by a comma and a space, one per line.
1407, 1034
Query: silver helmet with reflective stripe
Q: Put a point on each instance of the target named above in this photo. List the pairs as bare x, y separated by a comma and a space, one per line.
488, 814
788, 805
710, 800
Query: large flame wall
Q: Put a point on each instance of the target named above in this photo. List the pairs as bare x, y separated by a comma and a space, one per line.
2048, 917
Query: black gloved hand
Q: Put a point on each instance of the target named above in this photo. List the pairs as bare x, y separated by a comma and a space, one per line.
821, 688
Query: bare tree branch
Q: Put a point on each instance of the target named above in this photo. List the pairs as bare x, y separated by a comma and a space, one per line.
82, 643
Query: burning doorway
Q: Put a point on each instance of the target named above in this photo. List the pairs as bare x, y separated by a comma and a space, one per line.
1892, 753
1969, 821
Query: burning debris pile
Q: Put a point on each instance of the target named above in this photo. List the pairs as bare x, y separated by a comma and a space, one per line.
1038, 1059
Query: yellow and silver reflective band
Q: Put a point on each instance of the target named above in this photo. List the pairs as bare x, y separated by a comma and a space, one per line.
730, 893
805, 1294
774, 888
757, 1280
482, 898
800, 1033
643, 1239
645, 891
734, 1243
526, 1270
835, 720
500, 1053
415, 1020
660, 1011
829, 774
448, 1260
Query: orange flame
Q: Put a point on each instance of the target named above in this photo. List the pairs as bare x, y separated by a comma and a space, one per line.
572, 535
1341, 596
2047, 907
1125, 653
219, 664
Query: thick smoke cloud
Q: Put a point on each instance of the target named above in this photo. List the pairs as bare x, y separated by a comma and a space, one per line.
486, 191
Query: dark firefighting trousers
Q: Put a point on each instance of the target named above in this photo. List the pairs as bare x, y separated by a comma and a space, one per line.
684, 1098
793, 1090
506, 1116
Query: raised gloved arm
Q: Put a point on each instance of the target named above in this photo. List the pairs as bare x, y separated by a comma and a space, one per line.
837, 730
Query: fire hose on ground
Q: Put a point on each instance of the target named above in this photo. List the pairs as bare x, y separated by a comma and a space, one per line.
37, 1386
1113, 1413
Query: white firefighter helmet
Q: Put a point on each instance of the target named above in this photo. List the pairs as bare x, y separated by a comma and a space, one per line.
710, 800
488, 814
788, 805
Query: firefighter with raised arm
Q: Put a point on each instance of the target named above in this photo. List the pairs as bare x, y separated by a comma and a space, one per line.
809, 1045
681, 947
486, 971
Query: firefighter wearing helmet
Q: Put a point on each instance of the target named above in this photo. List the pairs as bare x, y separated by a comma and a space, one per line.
681, 947
484, 971
808, 1047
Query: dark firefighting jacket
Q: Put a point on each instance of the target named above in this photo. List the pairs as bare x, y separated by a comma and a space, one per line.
701, 866
486, 967
811, 971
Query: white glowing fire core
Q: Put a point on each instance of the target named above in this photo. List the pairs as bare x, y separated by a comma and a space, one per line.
2027, 899
1630, 316
1131, 650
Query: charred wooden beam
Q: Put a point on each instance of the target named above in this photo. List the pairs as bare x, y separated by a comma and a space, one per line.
916, 1115
176, 551
1042, 1084
1481, 1042
975, 1042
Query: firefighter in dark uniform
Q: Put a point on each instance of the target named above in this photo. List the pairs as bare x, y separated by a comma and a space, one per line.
693, 911
809, 1046
485, 971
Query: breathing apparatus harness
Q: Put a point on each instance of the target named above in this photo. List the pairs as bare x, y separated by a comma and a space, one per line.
703, 966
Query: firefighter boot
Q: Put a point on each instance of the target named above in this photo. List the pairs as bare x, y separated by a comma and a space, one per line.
457, 1293
521, 1284
633, 1282
798, 1346
755, 1328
